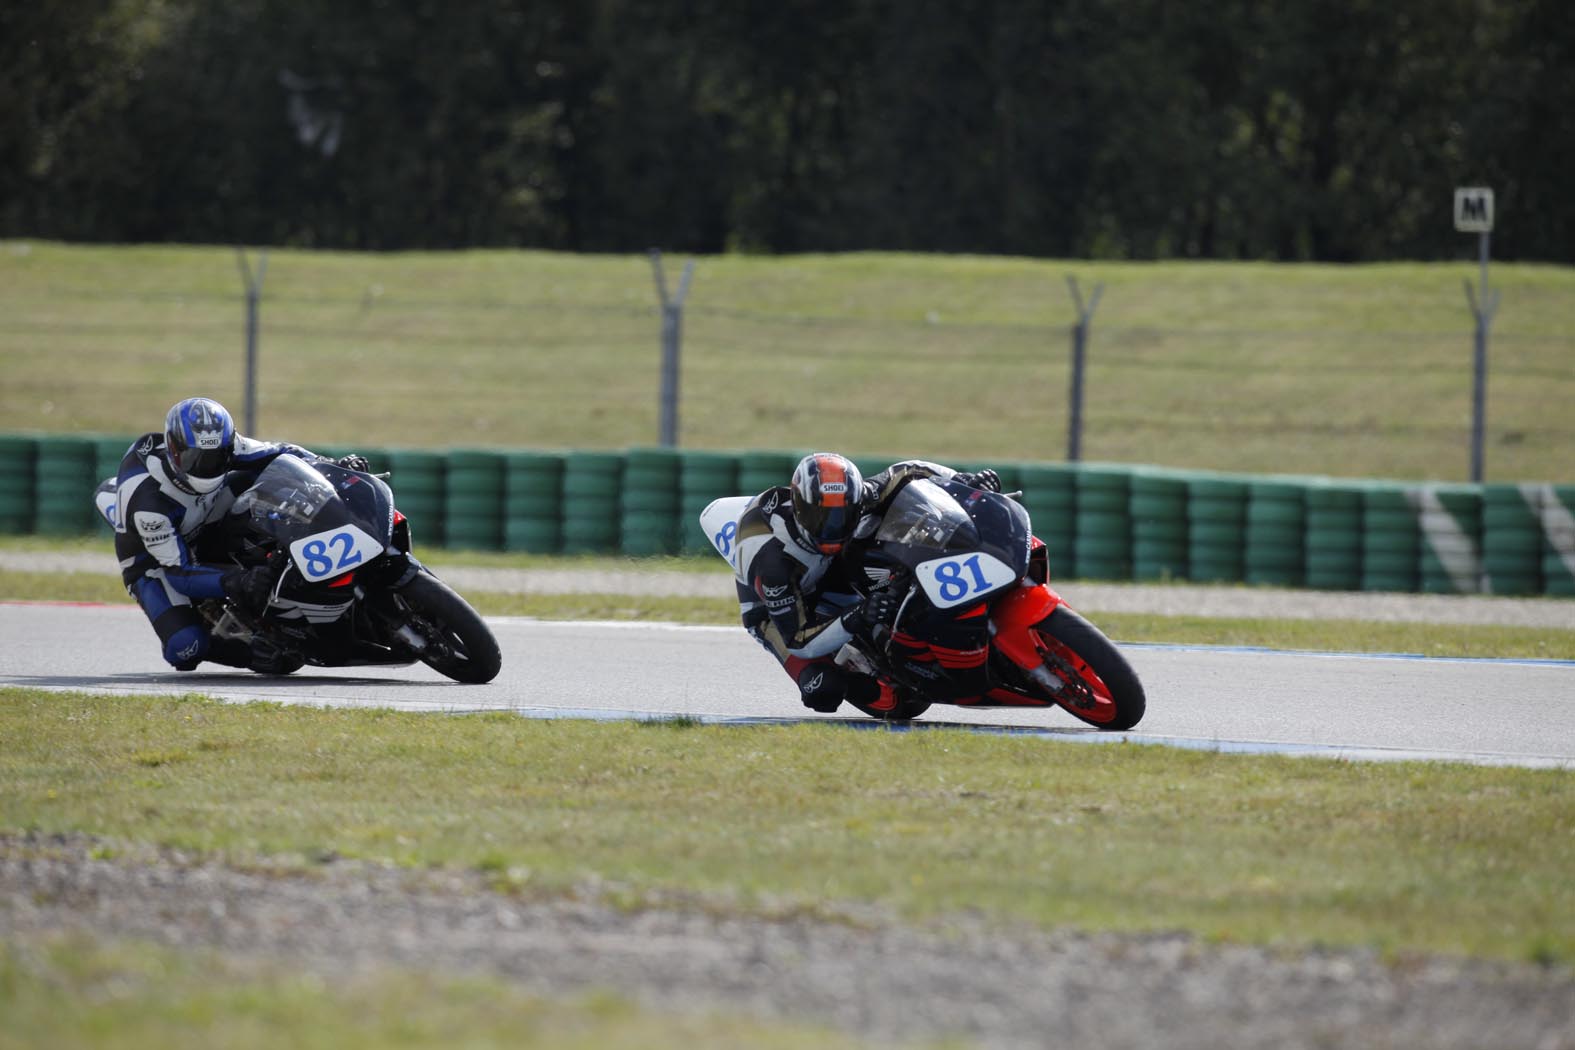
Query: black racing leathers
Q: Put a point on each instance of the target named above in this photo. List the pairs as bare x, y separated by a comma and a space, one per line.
793, 598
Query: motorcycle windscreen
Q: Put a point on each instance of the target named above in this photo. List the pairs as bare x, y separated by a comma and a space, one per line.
924, 517
286, 496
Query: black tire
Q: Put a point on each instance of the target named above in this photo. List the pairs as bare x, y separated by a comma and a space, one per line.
460, 645
1104, 690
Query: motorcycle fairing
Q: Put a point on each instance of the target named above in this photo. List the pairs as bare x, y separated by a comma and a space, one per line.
720, 522
1012, 618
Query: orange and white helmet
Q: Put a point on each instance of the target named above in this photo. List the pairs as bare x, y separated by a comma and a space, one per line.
828, 494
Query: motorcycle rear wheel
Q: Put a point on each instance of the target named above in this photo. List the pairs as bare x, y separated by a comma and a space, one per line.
1100, 687
459, 643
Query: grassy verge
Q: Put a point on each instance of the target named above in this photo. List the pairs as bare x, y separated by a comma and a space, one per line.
1541, 643
1348, 370
1254, 848
72, 991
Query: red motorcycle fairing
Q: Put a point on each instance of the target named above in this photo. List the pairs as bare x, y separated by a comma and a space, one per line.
956, 645
1014, 614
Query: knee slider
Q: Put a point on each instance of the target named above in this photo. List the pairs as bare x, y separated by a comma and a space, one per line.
186, 647
822, 686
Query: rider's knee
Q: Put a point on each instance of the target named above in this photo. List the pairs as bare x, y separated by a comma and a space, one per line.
185, 648
824, 686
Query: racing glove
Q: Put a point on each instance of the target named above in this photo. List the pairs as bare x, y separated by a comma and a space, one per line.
873, 617
249, 588
355, 461
985, 479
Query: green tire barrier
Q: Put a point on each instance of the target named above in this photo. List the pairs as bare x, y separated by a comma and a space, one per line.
1558, 536
1098, 521
1512, 539
533, 502
1102, 548
1050, 497
108, 453
1276, 528
473, 500
64, 472
591, 488
417, 480
1391, 539
1333, 536
1216, 529
1157, 507
758, 471
17, 458
702, 477
1450, 520
650, 502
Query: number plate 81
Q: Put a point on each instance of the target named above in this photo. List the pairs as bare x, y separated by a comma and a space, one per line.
952, 581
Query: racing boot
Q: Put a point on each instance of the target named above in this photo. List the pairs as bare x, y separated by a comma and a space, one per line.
266, 657
231, 652
880, 699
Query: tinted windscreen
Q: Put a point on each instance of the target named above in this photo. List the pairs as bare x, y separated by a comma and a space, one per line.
922, 515
287, 493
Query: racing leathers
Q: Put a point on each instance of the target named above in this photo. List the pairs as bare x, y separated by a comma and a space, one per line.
800, 604
170, 555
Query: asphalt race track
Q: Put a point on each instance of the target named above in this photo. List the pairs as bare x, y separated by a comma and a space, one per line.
1352, 706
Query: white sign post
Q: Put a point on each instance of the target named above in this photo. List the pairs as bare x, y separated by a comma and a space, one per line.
1474, 214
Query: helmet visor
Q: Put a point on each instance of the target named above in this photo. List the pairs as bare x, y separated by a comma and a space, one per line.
829, 527
201, 462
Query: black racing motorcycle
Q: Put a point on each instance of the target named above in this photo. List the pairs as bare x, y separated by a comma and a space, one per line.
346, 589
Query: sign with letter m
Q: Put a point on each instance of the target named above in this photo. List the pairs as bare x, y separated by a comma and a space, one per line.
1474, 209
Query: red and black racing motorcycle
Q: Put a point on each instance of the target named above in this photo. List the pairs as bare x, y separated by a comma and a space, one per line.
978, 624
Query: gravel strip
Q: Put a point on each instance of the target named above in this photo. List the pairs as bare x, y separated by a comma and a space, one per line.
867, 976
1164, 600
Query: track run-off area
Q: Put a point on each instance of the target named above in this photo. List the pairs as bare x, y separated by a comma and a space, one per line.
1341, 705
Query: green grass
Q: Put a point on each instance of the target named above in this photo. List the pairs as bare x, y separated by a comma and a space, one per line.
74, 991
1263, 849
1345, 370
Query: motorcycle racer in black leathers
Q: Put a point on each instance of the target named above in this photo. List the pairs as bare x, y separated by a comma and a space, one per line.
172, 486
796, 600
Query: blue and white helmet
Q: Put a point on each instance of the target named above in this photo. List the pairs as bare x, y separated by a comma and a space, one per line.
199, 437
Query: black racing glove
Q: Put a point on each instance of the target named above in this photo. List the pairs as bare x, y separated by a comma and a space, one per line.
249, 588
874, 615
355, 461
985, 479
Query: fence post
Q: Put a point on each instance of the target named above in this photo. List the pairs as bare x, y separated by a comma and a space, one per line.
1483, 306
1474, 214
253, 296
672, 328
1074, 440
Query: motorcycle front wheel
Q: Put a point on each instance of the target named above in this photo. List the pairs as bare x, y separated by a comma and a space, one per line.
459, 643
1097, 684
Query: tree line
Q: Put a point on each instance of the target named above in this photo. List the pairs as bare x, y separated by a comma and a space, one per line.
1330, 130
